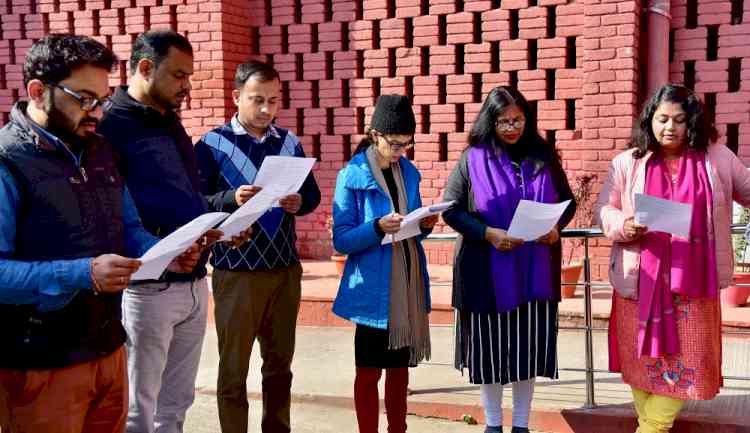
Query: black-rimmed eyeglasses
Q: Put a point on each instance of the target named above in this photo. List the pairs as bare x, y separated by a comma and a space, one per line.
396, 146
88, 103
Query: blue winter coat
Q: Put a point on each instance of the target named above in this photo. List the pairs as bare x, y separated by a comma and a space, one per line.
364, 292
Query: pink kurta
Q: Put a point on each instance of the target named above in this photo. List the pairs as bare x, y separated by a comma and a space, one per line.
692, 374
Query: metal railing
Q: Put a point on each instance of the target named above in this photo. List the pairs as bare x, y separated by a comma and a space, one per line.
588, 326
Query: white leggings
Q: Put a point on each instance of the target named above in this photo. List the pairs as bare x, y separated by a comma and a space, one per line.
492, 400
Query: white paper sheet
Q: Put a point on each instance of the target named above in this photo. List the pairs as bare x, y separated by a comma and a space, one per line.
410, 223
533, 220
661, 215
159, 256
285, 174
249, 212
278, 177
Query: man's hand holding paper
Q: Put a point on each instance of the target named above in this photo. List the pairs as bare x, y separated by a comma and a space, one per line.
182, 243
276, 184
248, 213
291, 203
245, 193
428, 222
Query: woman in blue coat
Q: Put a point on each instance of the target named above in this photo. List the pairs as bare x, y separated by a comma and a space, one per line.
385, 287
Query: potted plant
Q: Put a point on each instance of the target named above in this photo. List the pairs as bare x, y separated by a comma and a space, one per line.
572, 264
734, 295
338, 258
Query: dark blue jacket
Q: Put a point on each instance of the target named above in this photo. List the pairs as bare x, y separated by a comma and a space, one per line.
159, 165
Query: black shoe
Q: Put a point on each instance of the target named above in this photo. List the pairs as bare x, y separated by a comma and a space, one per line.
489, 429
519, 430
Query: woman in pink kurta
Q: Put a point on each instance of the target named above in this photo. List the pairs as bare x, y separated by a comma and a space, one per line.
665, 328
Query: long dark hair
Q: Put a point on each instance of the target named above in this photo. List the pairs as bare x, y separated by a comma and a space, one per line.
700, 133
483, 132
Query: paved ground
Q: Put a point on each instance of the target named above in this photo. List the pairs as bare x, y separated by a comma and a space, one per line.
324, 371
315, 418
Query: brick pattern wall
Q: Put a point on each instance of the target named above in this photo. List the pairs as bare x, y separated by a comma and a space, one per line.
21, 23
611, 83
711, 54
336, 57
214, 28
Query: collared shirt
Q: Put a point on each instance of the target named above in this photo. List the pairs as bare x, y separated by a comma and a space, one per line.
52, 285
239, 129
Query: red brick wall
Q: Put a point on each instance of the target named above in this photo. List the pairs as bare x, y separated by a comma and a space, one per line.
21, 23
712, 55
217, 29
578, 61
611, 82
336, 57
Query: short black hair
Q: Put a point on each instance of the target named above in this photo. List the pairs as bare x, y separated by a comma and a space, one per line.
154, 45
263, 72
54, 57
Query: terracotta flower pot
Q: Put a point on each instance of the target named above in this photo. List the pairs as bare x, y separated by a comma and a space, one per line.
570, 274
736, 296
340, 263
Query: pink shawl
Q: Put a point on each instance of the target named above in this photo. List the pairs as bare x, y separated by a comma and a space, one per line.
672, 265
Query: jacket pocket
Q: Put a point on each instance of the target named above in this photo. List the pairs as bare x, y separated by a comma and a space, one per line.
364, 283
624, 268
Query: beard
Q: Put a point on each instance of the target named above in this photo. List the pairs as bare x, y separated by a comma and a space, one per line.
174, 103
63, 127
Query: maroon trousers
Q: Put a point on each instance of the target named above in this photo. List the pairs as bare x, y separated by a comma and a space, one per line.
366, 399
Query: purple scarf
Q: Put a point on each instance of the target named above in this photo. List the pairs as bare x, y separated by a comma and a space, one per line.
522, 274
674, 265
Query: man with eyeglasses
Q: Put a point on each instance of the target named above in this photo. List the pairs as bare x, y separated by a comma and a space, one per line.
67, 223
257, 287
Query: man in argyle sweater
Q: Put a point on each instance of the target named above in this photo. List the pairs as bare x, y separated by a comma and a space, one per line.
256, 287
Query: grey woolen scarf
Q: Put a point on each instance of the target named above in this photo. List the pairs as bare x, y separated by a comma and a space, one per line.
408, 324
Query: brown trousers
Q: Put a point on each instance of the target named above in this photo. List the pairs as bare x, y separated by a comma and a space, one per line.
259, 304
91, 397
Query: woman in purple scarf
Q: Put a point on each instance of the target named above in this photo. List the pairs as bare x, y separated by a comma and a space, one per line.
665, 327
506, 291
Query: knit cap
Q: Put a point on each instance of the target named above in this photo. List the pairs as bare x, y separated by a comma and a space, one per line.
393, 115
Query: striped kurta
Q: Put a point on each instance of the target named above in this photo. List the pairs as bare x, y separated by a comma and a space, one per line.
508, 347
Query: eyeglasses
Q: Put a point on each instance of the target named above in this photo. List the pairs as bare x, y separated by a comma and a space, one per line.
87, 102
508, 125
396, 146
